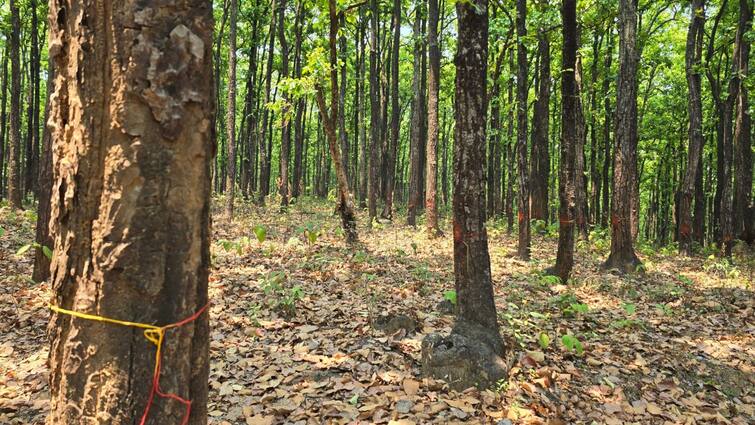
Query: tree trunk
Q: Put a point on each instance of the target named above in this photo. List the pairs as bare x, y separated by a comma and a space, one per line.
14, 143
622, 255
130, 213
510, 147
346, 201
395, 113
581, 213
433, 83
33, 121
415, 130
607, 124
265, 154
3, 120
523, 249
569, 134
374, 183
540, 152
42, 236
230, 120
693, 59
285, 121
742, 203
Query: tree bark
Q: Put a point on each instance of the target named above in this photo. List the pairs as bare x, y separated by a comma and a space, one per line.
131, 117
14, 143
607, 124
415, 131
581, 212
41, 270
523, 248
569, 135
285, 121
3, 120
265, 154
395, 113
474, 286
540, 153
346, 201
433, 83
742, 202
622, 255
693, 61
374, 183
230, 120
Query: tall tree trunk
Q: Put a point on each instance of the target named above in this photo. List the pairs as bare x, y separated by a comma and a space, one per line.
581, 212
130, 213
540, 152
301, 106
395, 113
470, 355
41, 270
523, 248
230, 120
14, 144
569, 134
33, 120
363, 155
265, 154
510, 149
374, 183
742, 203
330, 120
693, 61
596, 181
3, 120
342, 134
285, 120
607, 124
622, 255
415, 130
433, 83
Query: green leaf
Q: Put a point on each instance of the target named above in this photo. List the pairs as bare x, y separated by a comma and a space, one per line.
260, 233
23, 249
629, 308
572, 344
47, 251
450, 296
354, 400
544, 340
2, 232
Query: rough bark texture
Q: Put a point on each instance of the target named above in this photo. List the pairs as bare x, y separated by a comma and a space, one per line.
581, 213
264, 167
374, 183
14, 142
4, 119
286, 122
540, 172
230, 118
393, 142
693, 59
607, 124
415, 131
523, 248
622, 255
471, 354
131, 113
569, 135
41, 262
345, 202
742, 203
433, 84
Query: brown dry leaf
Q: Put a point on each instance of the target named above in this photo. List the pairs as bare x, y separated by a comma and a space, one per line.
653, 409
411, 387
260, 420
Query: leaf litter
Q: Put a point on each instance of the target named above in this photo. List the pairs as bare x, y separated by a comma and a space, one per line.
295, 335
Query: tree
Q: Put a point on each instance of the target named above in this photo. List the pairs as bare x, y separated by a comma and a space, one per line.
14, 142
330, 120
693, 59
540, 172
375, 124
42, 236
622, 255
286, 121
471, 354
395, 114
264, 182
569, 133
523, 248
433, 83
415, 131
743, 227
130, 215
230, 120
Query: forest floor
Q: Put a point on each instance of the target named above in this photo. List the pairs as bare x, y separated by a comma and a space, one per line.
293, 337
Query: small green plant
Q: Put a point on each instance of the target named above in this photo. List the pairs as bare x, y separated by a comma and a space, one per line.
414, 247
360, 257
45, 250
571, 343
665, 309
576, 309
630, 322
422, 272
450, 296
544, 340
549, 280
629, 308
260, 232
2, 232
281, 298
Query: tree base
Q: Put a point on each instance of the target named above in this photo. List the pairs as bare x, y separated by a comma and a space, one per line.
469, 357
624, 263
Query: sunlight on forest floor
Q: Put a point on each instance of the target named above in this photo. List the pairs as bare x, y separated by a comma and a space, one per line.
294, 335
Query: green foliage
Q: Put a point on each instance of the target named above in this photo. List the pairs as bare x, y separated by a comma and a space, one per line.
45, 250
279, 297
450, 296
572, 344
544, 340
260, 233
